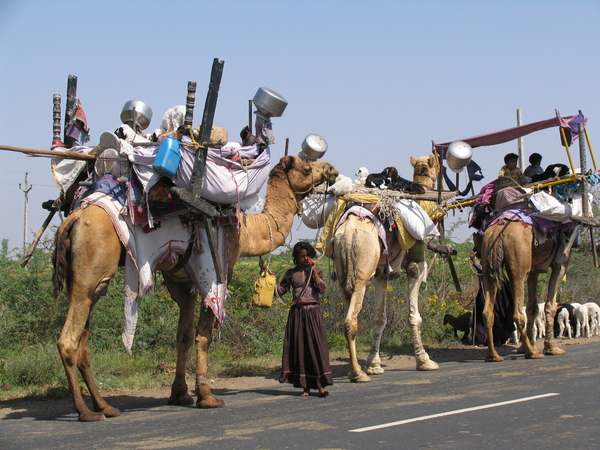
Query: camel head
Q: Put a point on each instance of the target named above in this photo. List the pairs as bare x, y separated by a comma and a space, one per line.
302, 176
426, 171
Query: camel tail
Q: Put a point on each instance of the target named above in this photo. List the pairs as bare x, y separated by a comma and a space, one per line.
61, 257
496, 261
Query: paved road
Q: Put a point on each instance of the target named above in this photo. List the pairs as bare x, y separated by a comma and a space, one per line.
550, 403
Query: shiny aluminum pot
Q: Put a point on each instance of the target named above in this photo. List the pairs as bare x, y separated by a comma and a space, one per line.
459, 156
269, 103
143, 113
314, 146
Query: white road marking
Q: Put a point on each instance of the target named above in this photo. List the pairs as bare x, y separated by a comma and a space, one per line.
450, 413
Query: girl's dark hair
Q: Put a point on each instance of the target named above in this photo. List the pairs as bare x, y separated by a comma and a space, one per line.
303, 245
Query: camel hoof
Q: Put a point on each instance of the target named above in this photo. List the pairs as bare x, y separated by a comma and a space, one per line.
375, 370
360, 377
428, 365
210, 402
109, 411
90, 416
494, 358
554, 351
184, 399
535, 355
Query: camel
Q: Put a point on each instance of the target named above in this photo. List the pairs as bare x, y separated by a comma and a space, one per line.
359, 257
511, 246
87, 255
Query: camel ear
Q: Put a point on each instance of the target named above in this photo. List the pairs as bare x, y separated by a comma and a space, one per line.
431, 160
413, 161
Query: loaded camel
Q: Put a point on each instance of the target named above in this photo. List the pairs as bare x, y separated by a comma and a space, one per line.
359, 257
510, 246
87, 255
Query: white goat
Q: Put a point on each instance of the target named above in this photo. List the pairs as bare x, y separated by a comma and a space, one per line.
539, 330
514, 336
582, 323
594, 317
563, 323
362, 175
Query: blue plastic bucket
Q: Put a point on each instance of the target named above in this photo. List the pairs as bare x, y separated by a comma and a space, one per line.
167, 157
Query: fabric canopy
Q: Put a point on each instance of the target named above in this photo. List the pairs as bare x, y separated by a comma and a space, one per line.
570, 123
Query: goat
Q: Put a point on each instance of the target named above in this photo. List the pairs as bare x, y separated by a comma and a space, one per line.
362, 175
514, 336
562, 323
381, 180
582, 323
594, 317
402, 184
463, 323
538, 323
553, 170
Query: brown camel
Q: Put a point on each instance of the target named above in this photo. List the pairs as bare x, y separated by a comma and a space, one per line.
511, 246
359, 258
87, 255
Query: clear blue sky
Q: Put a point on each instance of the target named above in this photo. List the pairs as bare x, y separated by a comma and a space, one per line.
379, 80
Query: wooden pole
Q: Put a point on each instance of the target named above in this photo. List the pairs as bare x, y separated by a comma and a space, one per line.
287, 145
51, 154
26, 208
190, 101
521, 145
70, 109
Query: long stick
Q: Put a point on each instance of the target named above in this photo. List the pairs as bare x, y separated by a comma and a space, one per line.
38, 236
49, 153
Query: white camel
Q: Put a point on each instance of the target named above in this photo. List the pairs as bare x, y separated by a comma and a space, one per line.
359, 257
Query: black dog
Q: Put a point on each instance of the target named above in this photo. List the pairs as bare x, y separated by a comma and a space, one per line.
553, 170
381, 179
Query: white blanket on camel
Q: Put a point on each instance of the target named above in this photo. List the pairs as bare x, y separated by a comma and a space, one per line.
146, 250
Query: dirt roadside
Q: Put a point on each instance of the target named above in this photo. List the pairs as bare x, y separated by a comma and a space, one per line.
48, 407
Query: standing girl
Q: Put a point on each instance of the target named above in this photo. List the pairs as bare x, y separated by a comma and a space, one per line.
305, 362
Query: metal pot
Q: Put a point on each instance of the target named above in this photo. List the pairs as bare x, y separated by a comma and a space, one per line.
143, 114
269, 103
459, 156
313, 146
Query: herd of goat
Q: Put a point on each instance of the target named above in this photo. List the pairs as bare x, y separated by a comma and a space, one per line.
572, 320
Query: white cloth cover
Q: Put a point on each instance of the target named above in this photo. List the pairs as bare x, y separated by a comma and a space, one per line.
415, 220
549, 207
147, 250
316, 208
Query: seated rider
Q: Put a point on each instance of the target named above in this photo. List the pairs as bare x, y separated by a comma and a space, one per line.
510, 174
534, 167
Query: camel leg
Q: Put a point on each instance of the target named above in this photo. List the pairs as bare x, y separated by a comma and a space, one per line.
206, 399
84, 366
181, 293
532, 308
415, 272
490, 291
379, 322
352, 307
518, 289
69, 344
550, 345
91, 269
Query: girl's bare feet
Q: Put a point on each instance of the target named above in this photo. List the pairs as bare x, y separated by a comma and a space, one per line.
305, 393
323, 393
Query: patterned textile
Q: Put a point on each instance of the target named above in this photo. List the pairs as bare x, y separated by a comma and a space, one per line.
167, 243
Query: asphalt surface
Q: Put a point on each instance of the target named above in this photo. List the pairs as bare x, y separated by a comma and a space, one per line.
550, 403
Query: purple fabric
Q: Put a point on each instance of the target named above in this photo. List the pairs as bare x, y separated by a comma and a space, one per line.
510, 134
